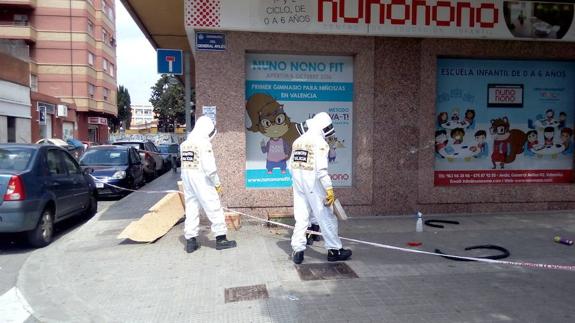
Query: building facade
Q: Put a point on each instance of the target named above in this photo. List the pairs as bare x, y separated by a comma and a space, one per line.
15, 114
460, 106
143, 117
71, 53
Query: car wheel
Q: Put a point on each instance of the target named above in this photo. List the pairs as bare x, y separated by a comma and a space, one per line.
92, 208
43, 234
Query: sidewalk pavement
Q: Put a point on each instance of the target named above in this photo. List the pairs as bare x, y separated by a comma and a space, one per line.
90, 276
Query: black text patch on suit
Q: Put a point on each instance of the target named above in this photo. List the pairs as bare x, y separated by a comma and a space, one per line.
300, 156
188, 156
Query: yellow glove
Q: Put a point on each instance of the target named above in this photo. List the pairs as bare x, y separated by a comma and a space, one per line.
219, 189
330, 198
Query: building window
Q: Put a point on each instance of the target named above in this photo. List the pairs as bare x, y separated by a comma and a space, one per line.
106, 94
105, 36
34, 83
105, 64
21, 20
107, 9
11, 129
91, 90
90, 58
112, 70
90, 28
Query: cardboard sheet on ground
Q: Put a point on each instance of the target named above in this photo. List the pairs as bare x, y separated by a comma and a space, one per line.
156, 223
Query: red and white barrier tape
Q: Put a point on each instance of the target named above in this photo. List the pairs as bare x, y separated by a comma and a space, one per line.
375, 244
380, 245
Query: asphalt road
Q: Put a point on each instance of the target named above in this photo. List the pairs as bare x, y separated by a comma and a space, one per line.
14, 250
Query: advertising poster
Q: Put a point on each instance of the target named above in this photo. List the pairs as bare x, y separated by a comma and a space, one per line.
285, 90
504, 121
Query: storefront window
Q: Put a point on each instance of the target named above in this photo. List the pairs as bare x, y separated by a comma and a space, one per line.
504, 121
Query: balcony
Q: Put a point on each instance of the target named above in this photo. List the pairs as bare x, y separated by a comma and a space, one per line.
19, 3
16, 48
17, 30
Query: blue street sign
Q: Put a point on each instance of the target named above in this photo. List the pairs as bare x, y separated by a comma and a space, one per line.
170, 61
210, 41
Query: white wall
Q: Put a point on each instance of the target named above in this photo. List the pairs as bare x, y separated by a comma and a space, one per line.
23, 131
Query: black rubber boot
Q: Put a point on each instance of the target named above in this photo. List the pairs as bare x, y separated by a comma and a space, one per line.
338, 255
297, 257
312, 237
192, 245
223, 243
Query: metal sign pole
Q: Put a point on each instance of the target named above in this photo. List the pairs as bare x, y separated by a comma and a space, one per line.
188, 91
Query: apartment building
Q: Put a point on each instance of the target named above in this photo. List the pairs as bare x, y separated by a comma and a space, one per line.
142, 117
70, 47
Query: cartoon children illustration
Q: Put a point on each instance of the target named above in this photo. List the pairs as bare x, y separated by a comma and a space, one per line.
507, 143
440, 142
457, 135
548, 134
532, 143
562, 119
441, 119
480, 137
470, 118
455, 115
566, 134
268, 118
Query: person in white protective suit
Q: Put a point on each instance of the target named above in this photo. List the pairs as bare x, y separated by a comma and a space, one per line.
202, 185
313, 223
312, 189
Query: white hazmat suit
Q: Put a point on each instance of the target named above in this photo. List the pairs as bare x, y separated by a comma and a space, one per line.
201, 181
311, 181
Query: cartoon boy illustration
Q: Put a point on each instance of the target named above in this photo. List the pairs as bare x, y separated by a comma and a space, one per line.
470, 118
333, 145
441, 119
440, 142
457, 134
566, 134
532, 143
268, 118
480, 137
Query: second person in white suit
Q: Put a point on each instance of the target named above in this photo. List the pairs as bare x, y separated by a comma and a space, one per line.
313, 189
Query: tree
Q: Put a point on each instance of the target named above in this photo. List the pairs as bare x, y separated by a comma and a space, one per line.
169, 103
124, 110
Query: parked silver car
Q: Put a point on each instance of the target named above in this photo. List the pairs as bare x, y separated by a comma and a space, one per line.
150, 155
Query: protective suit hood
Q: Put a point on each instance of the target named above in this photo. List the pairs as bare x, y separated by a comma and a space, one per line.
204, 128
320, 124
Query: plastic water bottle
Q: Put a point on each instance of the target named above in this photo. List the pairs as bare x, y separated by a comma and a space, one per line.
419, 223
564, 241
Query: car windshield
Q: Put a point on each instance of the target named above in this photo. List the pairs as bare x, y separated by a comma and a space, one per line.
104, 157
15, 159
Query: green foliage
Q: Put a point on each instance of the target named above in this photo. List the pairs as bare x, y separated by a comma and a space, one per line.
169, 103
124, 110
